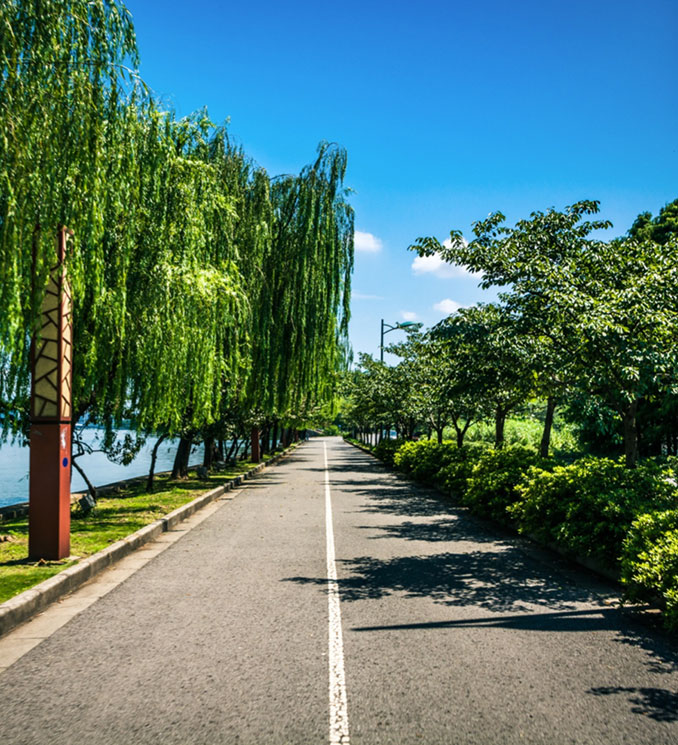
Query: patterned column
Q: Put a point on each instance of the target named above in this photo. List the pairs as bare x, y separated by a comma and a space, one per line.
50, 440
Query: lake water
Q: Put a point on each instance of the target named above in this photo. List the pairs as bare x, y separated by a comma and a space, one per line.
99, 470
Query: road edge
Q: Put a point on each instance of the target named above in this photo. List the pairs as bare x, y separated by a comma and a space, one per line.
26, 604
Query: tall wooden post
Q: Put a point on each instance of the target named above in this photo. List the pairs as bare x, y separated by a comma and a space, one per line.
49, 518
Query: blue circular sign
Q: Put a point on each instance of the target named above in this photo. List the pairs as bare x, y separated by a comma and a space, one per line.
65, 462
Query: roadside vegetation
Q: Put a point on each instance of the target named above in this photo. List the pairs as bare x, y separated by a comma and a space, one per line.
555, 409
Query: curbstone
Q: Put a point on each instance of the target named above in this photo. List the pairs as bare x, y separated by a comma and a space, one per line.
20, 608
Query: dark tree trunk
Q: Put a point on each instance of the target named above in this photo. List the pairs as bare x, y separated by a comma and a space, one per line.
154, 456
246, 448
233, 450
274, 439
439, 435
631, 435
180, 467
90, 487
499, 421
208, 455
256, 452
548, 425
220, 451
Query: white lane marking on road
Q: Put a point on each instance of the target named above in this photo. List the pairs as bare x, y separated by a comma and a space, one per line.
338, 706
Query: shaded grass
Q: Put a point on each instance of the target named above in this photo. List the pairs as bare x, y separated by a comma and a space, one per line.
117, 515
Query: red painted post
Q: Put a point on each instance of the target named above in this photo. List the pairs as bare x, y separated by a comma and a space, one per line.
256, 452
49, 517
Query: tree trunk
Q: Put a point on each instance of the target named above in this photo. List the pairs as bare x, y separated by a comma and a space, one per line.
548, 424
439, 435
220, 451
209, 452
274, 439
233, 450
256, 452
631, 435
499, 421
180, 467
154, 456
90, 487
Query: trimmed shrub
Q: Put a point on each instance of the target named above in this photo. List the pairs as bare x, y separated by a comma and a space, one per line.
425, 459
649, 563
386, 450
589, 506
453, 478
491, 486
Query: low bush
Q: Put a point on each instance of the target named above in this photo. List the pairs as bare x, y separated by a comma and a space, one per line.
492, 484
386, 450
649, 563
588, 507
453, 477
425, 459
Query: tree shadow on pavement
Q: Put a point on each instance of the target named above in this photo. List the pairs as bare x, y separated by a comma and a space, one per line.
655, 703
448, 528
500, 580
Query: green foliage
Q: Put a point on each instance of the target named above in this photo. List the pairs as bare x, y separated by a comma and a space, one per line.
454, 475
649, 561
199, 284
527, 431
386, 450
659, 229
492, 486
589, 506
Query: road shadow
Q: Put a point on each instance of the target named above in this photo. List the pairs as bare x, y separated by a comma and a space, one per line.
655, 703
446, 529
499, 580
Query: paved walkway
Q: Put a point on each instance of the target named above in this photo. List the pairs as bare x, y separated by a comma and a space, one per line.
434, 631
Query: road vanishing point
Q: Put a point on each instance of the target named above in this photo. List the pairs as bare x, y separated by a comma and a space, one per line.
330, 601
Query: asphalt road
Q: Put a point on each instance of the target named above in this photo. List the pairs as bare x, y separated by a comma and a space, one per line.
449, 632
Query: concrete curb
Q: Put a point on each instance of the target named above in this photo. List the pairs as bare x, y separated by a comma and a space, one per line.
20, 608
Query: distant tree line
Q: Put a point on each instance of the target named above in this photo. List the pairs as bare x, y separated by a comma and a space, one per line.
587, 326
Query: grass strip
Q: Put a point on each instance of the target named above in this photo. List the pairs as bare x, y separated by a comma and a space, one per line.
117, 515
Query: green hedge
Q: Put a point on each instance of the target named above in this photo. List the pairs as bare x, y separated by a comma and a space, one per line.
594, 507
588, 507
386, 449
492, 486
435, 463
649, 561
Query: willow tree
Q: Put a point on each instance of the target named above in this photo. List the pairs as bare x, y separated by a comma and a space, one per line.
62, 78
159, 303
305, 293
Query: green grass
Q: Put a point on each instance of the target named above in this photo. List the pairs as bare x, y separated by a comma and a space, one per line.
116, 516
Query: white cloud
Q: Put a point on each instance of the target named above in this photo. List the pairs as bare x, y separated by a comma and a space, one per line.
365, 296
447, 306
408, 315
439, 268
366, 242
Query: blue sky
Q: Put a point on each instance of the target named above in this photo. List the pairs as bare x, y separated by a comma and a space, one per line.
448, 111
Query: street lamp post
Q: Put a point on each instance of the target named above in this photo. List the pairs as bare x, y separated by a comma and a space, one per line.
406, 326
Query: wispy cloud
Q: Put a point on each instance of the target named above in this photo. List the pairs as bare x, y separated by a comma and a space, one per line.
367, 242
408, 315
447, 306
365, 296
